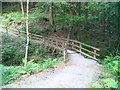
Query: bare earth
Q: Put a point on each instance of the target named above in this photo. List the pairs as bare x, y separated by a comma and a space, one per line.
79, 72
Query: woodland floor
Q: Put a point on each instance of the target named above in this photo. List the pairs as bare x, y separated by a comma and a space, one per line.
78, 72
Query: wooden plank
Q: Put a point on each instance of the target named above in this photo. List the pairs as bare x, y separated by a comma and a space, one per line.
90, 51
35, 38
35, 35
22, 32
85, 45
15, 30
80, 48
85, 54
76, 45
94, 54
57, 43
86, 50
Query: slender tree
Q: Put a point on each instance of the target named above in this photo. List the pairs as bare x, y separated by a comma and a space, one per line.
21, 2
51, 12
27, 32
52, 15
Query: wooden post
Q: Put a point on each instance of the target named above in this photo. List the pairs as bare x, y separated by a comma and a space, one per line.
62, 45
45, 42
51, 42
65, 53
6, 29
19, 33
80, 48
57, 43
72, 45
53, 50
94, 54
30, 36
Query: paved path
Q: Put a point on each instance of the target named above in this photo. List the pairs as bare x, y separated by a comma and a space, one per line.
77, 73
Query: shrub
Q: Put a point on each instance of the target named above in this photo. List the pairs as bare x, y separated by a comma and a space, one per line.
32, 47
111, 64
49, 63
11, 73
110, 78
8, 54
13, 49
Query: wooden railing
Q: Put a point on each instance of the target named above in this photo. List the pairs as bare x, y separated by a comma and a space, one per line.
82, 48
59, 43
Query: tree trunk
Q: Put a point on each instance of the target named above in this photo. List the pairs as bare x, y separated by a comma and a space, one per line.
70, 26
22, 8
27, 32
52, 15
68, 36
0, 7
86, 12
119, 16
79, 8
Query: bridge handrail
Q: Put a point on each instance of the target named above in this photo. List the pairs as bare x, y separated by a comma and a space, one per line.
78, 42
55, 42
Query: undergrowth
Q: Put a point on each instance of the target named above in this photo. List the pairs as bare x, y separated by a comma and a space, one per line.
13, 49
14, 16
110, 74
11, 73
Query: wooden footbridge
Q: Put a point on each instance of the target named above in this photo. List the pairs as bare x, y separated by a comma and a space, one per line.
60, 44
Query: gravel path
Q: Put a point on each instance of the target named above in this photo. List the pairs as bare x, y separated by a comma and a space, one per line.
77, 73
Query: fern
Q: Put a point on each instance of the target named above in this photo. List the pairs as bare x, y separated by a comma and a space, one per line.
11, 73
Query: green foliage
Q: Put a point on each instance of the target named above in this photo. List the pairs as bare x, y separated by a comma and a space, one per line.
105, 83
102, 20
109, 83
64, 20
12, 50
8, 54
110, 76
37, 14
8, 7
32, 47
49, 63
32, 67
11, 73
111, 64
14, 16
95, 85
41, 50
